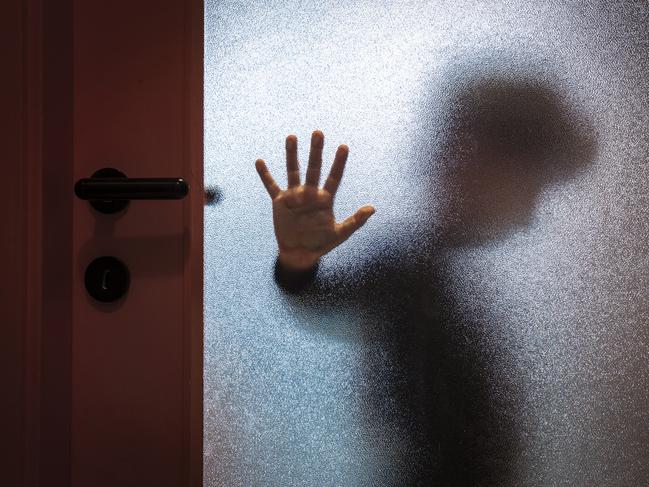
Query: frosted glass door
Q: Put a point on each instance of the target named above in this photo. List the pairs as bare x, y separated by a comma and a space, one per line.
489, 324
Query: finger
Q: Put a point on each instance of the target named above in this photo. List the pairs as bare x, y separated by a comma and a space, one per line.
267, 179
315, 159
337, 169
353, 223
292, 164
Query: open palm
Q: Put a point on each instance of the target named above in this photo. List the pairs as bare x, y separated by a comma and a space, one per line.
305, 226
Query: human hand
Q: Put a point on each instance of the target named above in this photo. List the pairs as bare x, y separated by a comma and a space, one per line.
305, 226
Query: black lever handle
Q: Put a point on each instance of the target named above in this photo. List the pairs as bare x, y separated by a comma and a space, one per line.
131, 189
109, 190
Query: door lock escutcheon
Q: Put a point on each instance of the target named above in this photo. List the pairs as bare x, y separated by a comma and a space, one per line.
107, 279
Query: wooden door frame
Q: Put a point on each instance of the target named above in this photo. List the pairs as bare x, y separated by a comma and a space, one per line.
24, 122
36, 100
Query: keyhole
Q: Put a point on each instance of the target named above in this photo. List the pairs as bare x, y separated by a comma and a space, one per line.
104, 278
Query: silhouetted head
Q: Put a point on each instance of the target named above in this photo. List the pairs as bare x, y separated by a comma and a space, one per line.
503, 136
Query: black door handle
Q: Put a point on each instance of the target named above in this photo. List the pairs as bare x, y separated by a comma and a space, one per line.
131, 189
109, 190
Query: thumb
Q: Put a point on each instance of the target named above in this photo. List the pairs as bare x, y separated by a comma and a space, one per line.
354, 222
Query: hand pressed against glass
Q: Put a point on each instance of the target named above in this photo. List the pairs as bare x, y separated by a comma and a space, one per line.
305, 226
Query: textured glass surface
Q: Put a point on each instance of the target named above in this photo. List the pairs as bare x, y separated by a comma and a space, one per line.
489, 324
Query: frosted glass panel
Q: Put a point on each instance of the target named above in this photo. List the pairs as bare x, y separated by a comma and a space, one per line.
490, 323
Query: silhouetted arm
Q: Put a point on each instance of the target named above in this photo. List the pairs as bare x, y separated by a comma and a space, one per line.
293, 281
